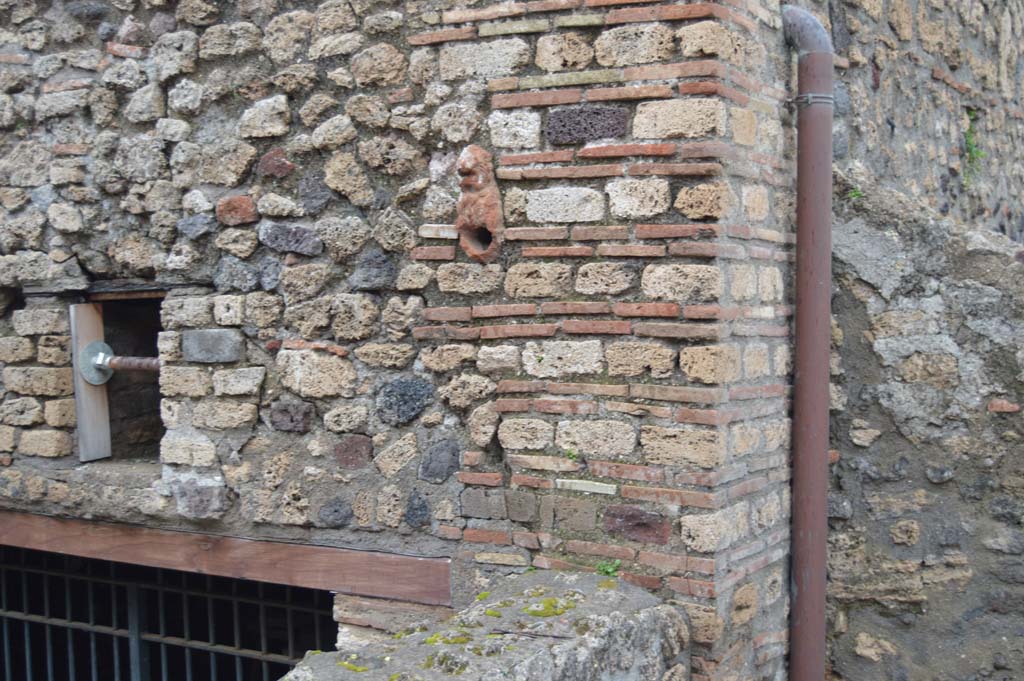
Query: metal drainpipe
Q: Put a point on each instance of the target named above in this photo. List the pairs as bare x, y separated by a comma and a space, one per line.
813, 334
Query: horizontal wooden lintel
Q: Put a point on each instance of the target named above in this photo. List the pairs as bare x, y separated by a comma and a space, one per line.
100, 296
361, 573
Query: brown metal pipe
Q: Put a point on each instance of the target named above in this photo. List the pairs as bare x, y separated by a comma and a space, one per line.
119, 363
813, 334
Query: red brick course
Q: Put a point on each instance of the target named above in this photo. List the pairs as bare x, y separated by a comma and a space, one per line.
575, 308
629, 92
433, 253
448, 314
486, 479
672, 497
575, 326
448, 35
557, 251
547, 98
518, 331
618, 150
512, 310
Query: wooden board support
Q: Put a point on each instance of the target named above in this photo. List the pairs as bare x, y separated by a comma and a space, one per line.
360, 573
100, 296
92, 410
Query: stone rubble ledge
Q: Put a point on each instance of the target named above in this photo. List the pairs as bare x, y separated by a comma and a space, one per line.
541, 626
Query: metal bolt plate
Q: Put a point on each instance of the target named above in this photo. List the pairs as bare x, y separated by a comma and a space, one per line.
92, 367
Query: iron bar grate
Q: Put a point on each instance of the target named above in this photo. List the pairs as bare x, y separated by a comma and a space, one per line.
64, 618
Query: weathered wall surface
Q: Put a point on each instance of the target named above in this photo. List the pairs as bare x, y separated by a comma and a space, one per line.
926, 508
545, 626
925, 555
610, 384
609, 388
930, 102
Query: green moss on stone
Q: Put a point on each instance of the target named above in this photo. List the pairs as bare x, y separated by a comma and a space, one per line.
549, 607
352, 667
458, 639
452, 666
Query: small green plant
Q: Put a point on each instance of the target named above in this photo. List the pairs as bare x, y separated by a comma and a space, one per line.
609, 568
973, 153
854, 194
572, 455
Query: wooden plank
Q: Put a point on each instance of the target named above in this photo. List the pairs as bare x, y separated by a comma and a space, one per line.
361, 573
92, 410
126, 295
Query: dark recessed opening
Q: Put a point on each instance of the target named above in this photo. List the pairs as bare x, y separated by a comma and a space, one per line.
480, 238
65, 617
11, 299
130, 328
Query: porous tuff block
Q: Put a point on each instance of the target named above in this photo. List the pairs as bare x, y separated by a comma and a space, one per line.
585, 123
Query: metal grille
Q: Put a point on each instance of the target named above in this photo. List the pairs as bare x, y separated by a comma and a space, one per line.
64, 618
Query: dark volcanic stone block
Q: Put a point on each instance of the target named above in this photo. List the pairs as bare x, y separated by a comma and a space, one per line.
637, 525
195, 226
417, 511
335, 513
233, 274
87, 11
294, 417
440, 461
585, 123
402, 400
290, 238
353, 451
270, 272
275, 164
314, 195
374, 271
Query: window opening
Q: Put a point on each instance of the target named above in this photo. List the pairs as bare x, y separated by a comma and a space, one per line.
130, 328
117, 403
69, 618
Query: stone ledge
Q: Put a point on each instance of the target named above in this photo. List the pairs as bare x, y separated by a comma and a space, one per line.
541, 626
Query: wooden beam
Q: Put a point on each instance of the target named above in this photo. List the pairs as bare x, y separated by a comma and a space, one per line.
126, 295
92, 410
361, 573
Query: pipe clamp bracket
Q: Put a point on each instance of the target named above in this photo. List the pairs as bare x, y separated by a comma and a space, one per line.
809, 98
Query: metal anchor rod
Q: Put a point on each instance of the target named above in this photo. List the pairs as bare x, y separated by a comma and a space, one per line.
121, 363
99, 363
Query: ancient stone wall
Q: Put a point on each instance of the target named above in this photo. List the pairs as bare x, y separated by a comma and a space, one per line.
502, 283
925, 552
510, 284
929, 99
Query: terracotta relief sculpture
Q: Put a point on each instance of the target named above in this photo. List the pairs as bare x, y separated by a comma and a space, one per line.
479, 220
